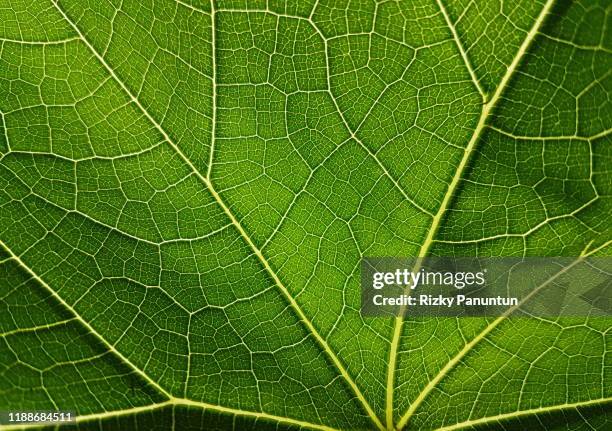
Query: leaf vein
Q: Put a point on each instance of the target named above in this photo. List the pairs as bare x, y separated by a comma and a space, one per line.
464, 55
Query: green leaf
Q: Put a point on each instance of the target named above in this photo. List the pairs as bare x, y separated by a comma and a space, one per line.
187, 189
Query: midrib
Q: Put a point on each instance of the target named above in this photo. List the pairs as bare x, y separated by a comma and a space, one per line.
487, 109
206, 181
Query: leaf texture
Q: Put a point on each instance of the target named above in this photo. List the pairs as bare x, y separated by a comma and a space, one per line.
187, 189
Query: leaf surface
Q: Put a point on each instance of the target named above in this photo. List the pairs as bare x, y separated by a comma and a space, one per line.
187, 189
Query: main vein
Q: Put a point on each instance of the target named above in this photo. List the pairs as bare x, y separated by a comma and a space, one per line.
293, 303
487, 109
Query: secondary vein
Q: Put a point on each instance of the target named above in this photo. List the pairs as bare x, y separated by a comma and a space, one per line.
464, 55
